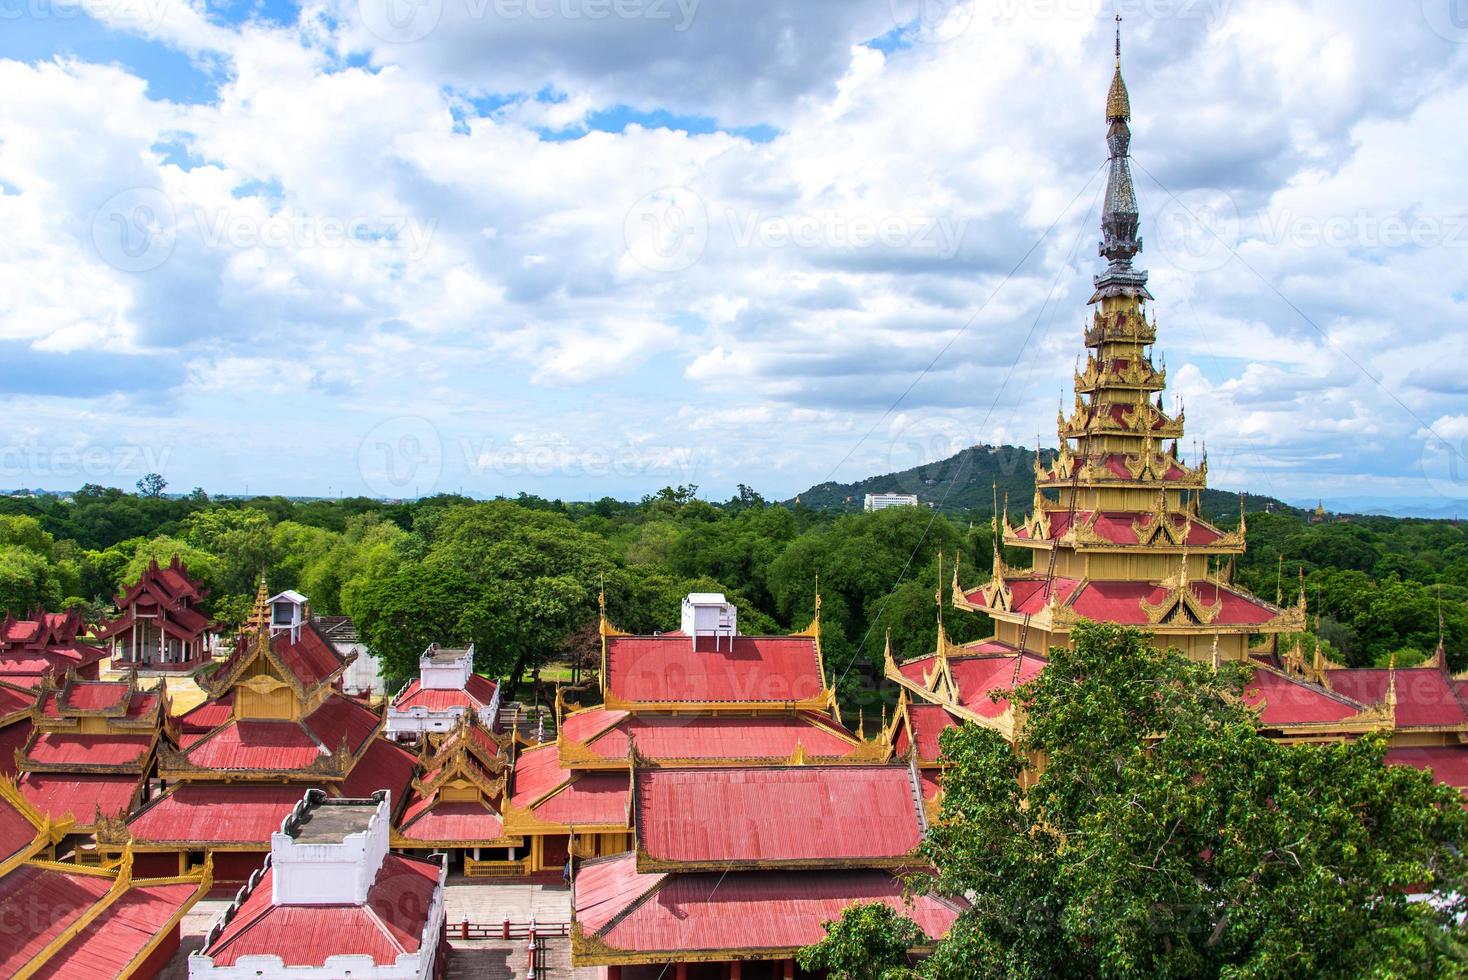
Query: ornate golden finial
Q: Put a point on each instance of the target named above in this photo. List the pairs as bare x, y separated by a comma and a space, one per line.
1279, 581
1118, 103
601, 596
861, 724
1215, 653
1302, 589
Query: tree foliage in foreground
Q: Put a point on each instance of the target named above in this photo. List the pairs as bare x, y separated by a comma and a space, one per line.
1207, 852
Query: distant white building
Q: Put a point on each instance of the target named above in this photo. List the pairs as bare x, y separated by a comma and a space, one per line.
881, 501
710, 614
445, 688
331, 902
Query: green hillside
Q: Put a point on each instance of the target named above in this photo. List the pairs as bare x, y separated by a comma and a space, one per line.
964, 484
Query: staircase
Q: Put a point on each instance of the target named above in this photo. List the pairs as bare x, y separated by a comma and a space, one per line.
516, 715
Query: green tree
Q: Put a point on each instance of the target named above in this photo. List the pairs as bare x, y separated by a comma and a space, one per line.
869, 942
1166, 837
27, 581
152, 485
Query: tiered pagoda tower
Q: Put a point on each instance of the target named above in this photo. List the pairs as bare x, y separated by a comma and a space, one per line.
1115, 531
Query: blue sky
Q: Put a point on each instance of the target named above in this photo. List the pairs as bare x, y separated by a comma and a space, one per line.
579, 248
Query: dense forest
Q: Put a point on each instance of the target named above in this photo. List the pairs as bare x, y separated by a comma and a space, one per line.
519, 578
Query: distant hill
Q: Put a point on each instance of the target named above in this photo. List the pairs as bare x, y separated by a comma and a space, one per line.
963, 484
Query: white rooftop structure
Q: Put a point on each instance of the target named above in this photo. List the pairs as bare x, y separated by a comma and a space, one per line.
289, 610
710, 614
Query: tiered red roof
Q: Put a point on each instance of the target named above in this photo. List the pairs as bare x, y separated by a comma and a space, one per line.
283, 746
390, 924
1289, 701
469, 757
109, 944
167, 597
669, 668
382, 766
46, 643
800, 816
608, 735
927, 722
774, 912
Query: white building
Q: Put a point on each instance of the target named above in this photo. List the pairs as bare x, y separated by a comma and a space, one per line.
445, 688
331, 902
881, 501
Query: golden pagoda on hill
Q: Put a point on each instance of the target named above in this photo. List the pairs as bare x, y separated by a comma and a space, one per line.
1115, 531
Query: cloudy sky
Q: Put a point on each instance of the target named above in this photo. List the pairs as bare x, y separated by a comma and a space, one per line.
587, 247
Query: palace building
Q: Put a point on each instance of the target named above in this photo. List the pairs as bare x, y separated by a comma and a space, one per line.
275, 725
160, 625
445, 689
735, 813
1115, 535
46, 644
91, 749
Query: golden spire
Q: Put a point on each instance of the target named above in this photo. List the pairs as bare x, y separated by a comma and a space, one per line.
1391, 684
260, 613
1118, 103
1215, 653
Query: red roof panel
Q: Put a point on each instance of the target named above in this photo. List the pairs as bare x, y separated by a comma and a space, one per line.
12, 737
60, 898
695, 737
1448, 763
766, 910
341, 720
776, 814
757, 669
439, 821
254, 744
80, 795
475, 696
110, 942
1425, 697
382, 766
1292, 702
198, 813
16, 830
58, 748
583, 799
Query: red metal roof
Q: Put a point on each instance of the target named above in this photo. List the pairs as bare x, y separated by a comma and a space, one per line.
928, 724
579, 799
704, 737
1117, 527
758, 669
383, 765
477, 694
58, 748
978, 677
1425, 697
209, 715
12, 737
207, 814
253, 744
390, 924
15, 699
95, 695
1288, 701
81, 795
768, 910
1448, 763
107, 944
342, 720
311, 657
16, 831
434, 820
836, 813
37, 905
